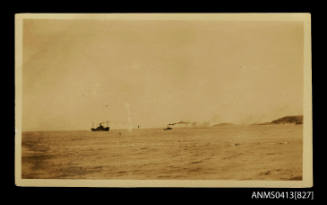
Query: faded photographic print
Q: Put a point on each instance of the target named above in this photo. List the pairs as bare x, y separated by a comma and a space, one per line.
178, 100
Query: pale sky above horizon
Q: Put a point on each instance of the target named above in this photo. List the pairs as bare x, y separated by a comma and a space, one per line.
151, 73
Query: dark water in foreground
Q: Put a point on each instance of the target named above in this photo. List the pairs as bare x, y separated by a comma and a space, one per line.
258, 152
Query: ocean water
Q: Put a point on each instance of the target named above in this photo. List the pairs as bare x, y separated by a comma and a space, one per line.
254, 152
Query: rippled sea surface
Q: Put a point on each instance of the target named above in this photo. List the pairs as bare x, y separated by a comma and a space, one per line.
256, 152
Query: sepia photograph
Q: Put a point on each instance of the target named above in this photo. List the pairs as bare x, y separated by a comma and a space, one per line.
163, 100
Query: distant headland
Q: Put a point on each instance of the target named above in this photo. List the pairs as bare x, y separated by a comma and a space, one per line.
294, 119
290, 119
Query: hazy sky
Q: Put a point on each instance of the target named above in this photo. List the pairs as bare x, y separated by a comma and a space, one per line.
76, 72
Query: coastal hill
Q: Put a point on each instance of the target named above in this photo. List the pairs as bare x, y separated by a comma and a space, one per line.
291, 119
294, 119
298, 119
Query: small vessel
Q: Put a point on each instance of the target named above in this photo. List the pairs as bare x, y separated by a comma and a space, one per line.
101, 127
168, 128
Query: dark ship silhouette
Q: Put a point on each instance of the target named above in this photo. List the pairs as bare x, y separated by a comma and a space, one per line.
169, 126
101, 127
